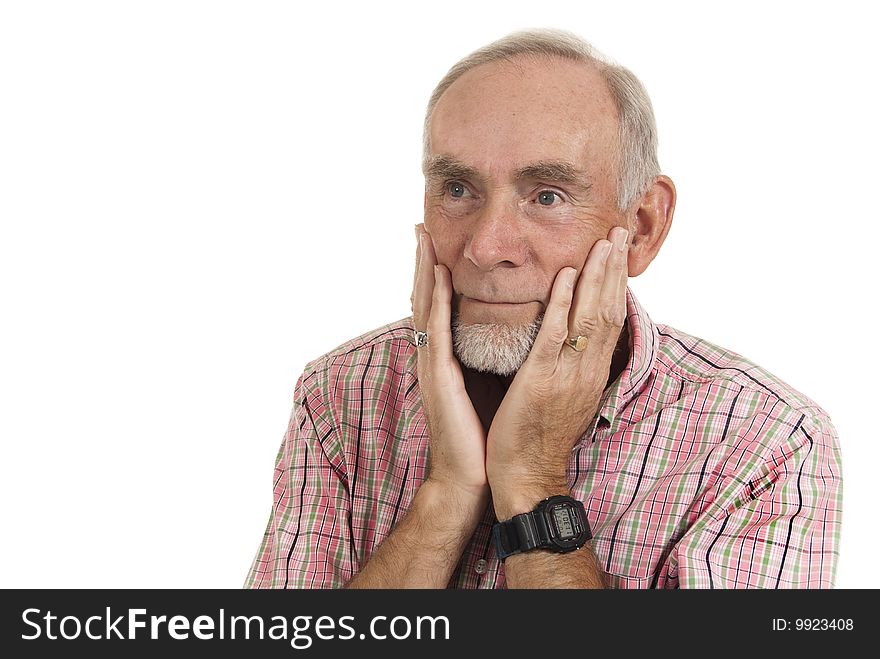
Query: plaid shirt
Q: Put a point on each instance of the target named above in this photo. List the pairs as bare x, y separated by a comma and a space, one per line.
700, 470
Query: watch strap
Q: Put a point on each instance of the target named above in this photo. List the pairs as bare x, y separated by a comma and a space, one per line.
520, 533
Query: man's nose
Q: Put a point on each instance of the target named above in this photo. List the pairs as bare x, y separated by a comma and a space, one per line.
495, 238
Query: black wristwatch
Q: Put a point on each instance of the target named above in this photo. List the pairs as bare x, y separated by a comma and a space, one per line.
558, 524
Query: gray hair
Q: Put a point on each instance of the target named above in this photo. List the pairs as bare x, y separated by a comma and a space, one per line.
637, 131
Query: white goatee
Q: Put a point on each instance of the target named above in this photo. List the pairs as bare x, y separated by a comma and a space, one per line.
493, 347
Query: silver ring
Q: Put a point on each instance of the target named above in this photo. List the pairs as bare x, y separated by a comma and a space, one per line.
421, 338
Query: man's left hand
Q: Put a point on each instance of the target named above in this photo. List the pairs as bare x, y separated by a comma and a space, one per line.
556, 392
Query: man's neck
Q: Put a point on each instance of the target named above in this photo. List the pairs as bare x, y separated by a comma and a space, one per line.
486, 390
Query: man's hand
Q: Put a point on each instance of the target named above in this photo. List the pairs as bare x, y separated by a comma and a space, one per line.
424, 547
457, 440
556, 392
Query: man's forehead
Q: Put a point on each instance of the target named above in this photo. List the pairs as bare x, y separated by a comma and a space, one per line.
507, 116
526, 85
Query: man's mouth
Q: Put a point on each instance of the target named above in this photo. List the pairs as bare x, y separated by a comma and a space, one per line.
493, 302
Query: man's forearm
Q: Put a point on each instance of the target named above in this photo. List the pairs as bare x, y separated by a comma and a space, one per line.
544, 569
423, 549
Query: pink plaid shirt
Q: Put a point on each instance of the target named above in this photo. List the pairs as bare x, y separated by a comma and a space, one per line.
700, 470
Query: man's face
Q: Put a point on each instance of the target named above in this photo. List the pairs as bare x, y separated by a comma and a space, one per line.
521, 182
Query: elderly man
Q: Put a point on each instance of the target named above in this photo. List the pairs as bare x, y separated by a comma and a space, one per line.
529, 425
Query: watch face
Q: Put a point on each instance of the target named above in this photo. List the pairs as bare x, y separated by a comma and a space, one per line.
564, 522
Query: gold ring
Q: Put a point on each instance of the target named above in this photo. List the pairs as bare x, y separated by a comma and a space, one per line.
578, 343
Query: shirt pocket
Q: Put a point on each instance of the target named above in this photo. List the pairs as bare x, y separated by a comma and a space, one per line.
634, 536
628, 556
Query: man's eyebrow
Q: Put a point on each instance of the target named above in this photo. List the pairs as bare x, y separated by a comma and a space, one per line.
554, 171
447, 167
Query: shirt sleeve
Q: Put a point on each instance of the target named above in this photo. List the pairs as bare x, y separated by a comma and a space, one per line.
307, 542
781, 528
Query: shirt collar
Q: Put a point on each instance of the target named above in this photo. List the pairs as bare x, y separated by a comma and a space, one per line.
643, 342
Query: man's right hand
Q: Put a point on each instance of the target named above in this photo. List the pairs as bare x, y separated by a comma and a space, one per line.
424, 547
457, 440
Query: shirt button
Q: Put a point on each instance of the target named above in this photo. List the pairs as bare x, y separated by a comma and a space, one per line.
481, 566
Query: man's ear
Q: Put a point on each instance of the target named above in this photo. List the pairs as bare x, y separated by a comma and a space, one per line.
650, 224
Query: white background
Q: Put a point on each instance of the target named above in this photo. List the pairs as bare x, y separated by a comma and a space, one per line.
197, 198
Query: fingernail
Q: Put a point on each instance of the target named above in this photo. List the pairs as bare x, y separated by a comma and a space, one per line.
570, 277
620, 239
606, 249
416, 229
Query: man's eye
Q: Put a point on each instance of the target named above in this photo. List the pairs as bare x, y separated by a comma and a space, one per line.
456, 189
547, 197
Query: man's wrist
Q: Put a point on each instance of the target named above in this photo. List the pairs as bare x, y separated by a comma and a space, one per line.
452, 502
518, 500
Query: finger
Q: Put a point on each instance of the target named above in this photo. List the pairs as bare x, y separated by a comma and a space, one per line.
554, 327
424, 283
439, 322
412, 294
612, 299
583, 319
